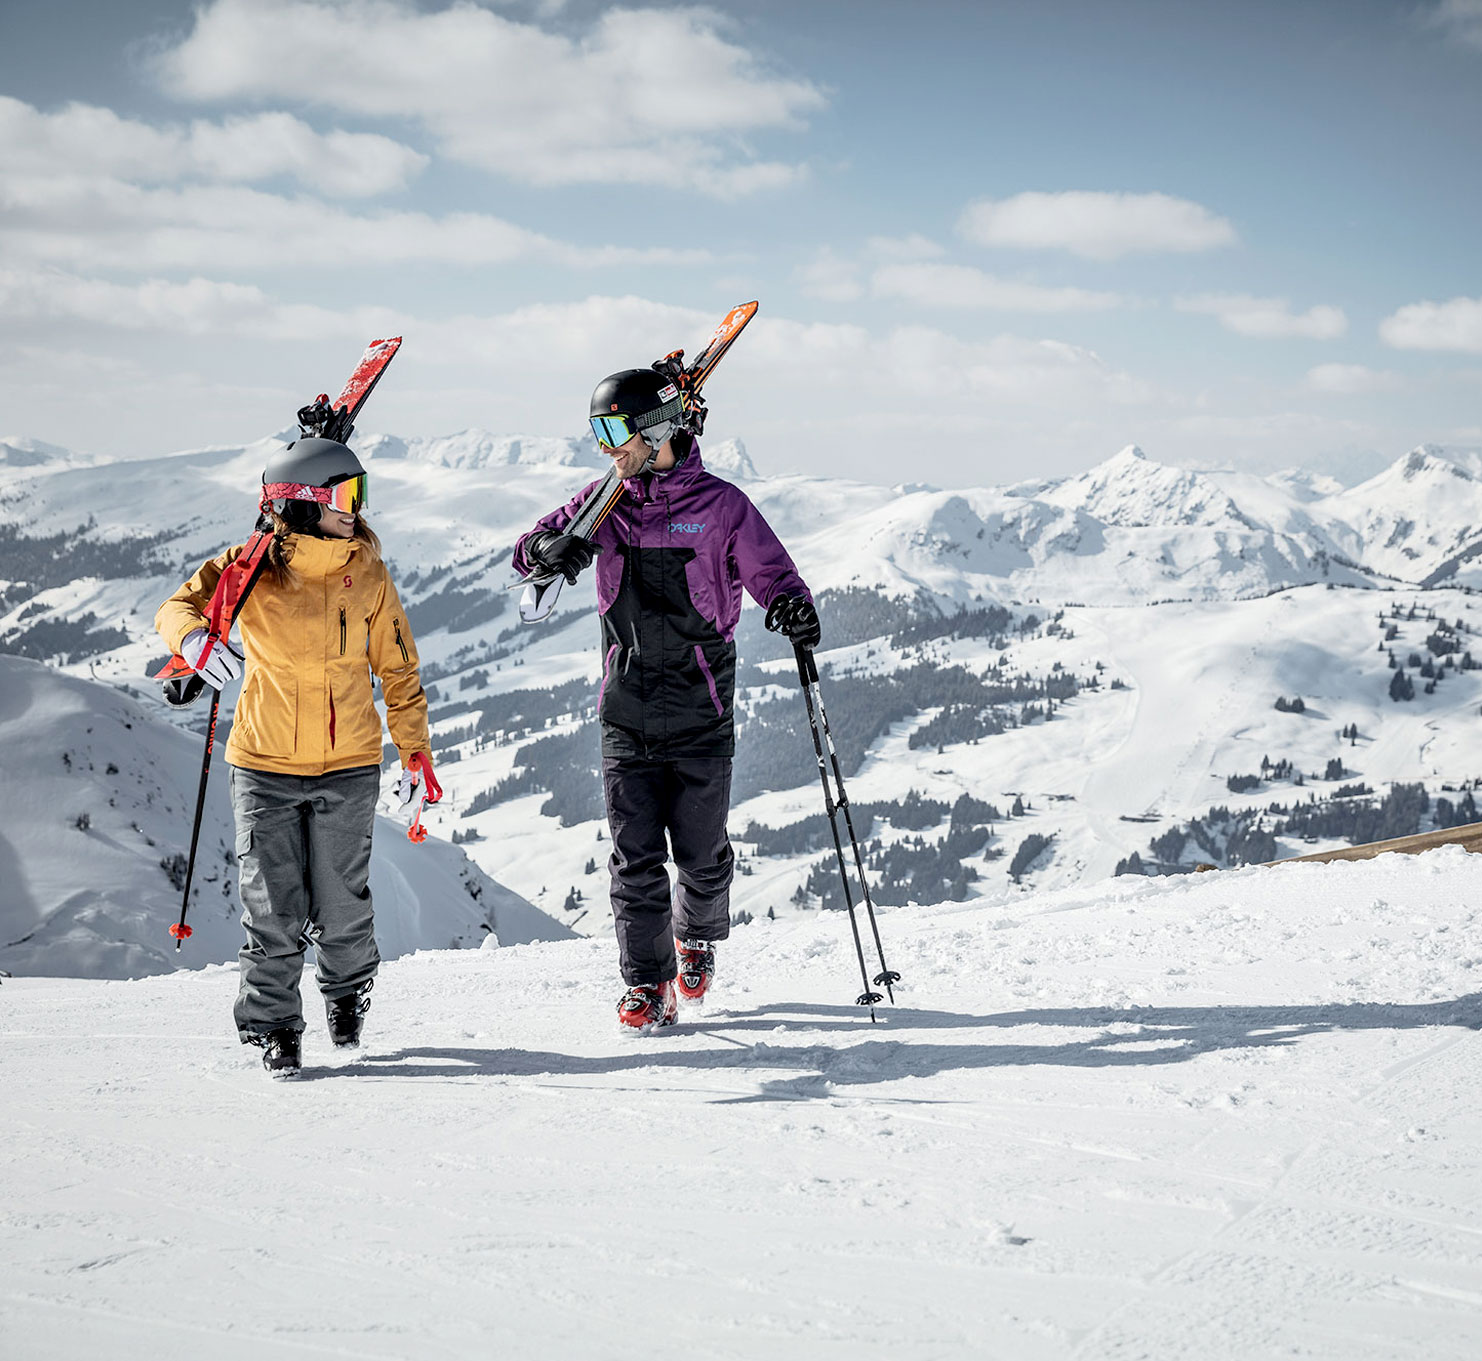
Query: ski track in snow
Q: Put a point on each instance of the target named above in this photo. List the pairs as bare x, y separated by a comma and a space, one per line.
1227, 1116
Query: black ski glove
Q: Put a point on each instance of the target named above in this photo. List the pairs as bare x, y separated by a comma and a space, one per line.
795, 618
567, 554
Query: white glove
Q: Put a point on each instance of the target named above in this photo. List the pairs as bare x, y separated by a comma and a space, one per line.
407, 789
217, 664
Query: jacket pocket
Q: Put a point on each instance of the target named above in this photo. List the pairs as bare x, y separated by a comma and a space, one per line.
709, 681
266, 718
342, 630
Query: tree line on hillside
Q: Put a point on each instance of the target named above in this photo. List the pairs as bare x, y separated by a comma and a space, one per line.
863, 707
1008, 702
773, 741
1446, 653
911, 869
35, 563
1249, 836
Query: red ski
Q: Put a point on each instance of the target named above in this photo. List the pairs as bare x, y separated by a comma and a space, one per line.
336, 420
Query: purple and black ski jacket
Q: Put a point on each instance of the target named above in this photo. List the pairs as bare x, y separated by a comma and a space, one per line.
675, 552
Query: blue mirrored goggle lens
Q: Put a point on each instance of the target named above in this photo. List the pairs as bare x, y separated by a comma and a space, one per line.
613, 431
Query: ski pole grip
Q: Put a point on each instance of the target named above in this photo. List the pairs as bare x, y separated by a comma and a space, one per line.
807, 667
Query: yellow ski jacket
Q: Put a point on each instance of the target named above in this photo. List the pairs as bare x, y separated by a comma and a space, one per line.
311, 649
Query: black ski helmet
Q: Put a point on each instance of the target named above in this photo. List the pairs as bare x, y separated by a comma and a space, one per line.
651, 400
305, 466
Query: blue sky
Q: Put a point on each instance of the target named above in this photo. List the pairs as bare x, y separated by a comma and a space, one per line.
991, 241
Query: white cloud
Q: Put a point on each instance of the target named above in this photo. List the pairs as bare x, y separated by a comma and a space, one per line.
198, 307
908, 268
858, 399
1350, 380
82, 139
941, 285
103, 224
1099, 226
1461, 19
829, 277
1267, 318
642, 97
595, 331
1453, 325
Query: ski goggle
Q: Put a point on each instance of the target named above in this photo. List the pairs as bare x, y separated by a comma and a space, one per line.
613, 431
656, 426
347, 497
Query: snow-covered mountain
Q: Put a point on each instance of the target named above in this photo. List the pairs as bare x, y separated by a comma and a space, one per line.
98, 793
19, 452
1418, 520
1102, 653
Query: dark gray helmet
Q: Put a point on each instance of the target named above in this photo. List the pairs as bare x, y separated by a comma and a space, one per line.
311, 462
309, 474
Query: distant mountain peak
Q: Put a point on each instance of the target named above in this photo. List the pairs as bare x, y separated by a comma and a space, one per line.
477, 448
728, 458
21, 451
1431, 458
1133, 490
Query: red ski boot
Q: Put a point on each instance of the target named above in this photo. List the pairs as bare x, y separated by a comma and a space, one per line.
646, 1006
696, 968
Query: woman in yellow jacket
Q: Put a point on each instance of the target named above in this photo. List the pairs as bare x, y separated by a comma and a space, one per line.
305, 747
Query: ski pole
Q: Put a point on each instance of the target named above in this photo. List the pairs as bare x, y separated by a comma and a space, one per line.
867, 998
180, 930
227, 599
886, 976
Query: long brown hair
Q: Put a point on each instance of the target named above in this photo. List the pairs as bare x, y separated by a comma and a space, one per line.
279, 559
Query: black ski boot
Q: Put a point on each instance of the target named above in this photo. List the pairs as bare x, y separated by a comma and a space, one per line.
347, 1014
280, 1052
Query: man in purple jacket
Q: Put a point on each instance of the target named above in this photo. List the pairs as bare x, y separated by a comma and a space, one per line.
672, 558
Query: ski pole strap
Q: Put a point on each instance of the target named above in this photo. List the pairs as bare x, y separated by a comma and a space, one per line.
421, 762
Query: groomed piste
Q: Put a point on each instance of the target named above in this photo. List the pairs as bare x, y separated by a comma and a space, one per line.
1219, 1116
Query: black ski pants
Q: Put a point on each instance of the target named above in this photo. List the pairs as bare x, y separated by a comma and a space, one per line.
687, 798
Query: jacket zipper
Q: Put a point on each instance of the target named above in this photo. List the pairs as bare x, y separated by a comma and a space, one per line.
396, 628
342, 630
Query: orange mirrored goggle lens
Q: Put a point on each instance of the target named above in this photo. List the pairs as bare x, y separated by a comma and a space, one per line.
349, 496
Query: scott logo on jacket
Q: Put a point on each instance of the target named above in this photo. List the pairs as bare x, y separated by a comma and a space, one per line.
676, 528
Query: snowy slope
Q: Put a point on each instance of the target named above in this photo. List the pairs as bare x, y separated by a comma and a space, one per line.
99, 792
1204, 594
1220, 1118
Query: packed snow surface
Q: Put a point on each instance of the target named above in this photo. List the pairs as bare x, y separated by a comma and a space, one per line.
1232, 1115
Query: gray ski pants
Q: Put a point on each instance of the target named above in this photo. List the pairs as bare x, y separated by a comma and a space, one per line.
688, 798
304, 845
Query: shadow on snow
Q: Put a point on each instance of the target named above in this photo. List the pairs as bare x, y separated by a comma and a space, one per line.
1082, 1037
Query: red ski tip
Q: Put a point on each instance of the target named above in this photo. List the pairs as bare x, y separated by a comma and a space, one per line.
180, 930
176, 666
